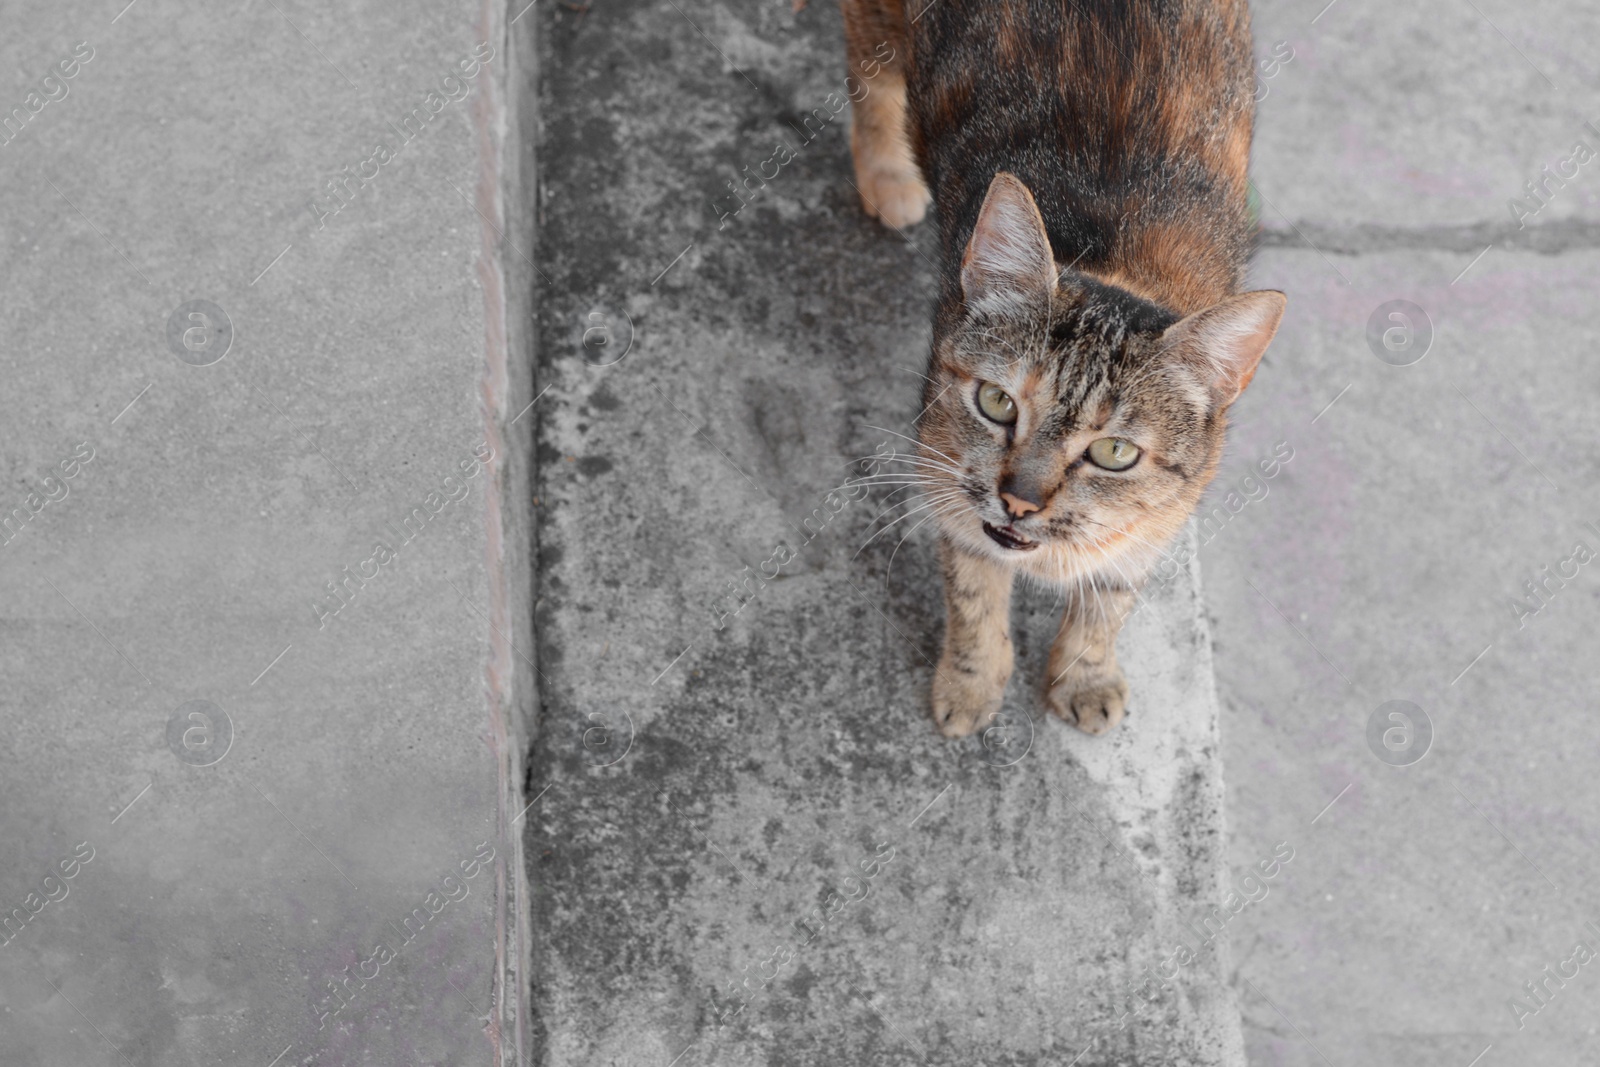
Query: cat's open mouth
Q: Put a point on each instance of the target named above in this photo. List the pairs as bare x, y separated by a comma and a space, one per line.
1006, 537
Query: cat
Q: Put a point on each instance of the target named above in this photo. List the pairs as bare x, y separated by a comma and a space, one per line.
1087, 162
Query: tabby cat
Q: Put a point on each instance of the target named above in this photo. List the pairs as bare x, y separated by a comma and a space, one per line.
1087, 163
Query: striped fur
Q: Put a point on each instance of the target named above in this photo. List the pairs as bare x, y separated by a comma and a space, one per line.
1087, 163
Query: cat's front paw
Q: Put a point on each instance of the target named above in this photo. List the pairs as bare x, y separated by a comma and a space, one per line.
895, 196
963, 701
1094, 704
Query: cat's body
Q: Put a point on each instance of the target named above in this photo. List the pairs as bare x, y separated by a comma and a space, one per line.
1088, 167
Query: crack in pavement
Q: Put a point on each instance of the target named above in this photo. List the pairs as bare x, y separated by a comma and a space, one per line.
1549, 239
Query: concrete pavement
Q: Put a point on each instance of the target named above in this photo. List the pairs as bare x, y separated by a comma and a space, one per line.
278, 500
749, 845
264, 504
1392, 557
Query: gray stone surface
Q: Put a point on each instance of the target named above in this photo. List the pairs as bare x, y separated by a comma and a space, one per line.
705, 778
1400, 535
1424, 116
373, 751
1396, 542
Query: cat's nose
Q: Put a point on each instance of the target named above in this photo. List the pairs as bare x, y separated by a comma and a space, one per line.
1016, 506
1022, 491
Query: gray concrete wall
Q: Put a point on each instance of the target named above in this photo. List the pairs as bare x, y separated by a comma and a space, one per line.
353, 759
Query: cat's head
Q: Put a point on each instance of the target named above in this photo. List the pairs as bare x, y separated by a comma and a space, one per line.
1070, 426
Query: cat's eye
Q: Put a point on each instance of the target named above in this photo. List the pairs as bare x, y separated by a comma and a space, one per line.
996, 404
1113, 453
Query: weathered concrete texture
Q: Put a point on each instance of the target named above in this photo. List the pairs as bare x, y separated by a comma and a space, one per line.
372, 750
1432, 114
1397, 542
707, 779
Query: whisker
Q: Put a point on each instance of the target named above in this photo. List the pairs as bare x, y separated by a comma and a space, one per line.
879, 456
924, 464
889, 571
1161, 551
877, 480
914, 441
931, 503
915, 461
894, 477
891, 507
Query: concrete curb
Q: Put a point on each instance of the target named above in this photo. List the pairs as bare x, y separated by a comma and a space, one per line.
510, 686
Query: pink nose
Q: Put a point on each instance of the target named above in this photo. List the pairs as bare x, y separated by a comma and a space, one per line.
1017, 507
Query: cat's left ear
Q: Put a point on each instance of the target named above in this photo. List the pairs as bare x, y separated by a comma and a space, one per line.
1225, 342
1008, 259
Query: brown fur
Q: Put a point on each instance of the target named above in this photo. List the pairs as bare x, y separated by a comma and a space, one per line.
1088, 164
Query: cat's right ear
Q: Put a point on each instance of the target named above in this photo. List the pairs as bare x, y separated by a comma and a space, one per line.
1008, 259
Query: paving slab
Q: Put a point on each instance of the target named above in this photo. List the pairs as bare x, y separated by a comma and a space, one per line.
748, 845
1446, 855
1379, 117
261, 709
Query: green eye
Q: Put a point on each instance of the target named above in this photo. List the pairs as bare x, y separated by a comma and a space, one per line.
1113, 453
996, 404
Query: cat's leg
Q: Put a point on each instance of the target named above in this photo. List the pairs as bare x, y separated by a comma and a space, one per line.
976, 663
1085, 686
887, 174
